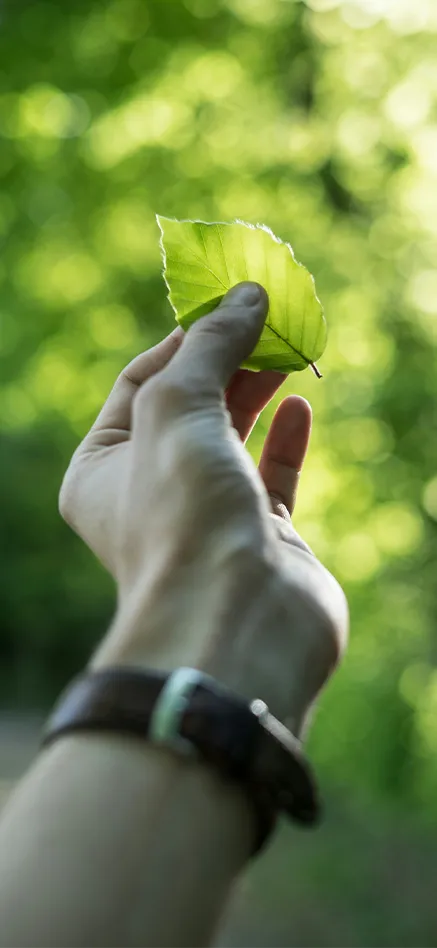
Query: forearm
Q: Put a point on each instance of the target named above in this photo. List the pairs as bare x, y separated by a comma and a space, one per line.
111, 842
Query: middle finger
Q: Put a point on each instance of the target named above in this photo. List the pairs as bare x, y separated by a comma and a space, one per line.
247, 394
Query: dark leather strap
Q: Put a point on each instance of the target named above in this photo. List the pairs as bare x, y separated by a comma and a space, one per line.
257, 751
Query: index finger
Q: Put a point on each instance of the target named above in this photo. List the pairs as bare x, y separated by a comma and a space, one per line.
115, 416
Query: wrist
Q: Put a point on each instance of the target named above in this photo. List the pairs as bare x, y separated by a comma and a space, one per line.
176, 623
187, 712
266, 628
236, 628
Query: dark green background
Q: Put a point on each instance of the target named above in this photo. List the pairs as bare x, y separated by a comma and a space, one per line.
318, 120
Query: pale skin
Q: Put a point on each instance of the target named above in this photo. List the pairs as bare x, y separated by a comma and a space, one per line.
108, 841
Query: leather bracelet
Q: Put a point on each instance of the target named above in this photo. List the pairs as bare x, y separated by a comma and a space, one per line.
191, 713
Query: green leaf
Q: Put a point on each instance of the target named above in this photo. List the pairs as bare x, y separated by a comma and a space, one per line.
203, 261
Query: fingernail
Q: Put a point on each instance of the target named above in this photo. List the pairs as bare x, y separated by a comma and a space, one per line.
245, 294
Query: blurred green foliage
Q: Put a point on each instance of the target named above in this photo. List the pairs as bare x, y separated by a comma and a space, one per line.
319, 120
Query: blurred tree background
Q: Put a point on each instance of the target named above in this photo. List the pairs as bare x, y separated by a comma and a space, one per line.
317, 118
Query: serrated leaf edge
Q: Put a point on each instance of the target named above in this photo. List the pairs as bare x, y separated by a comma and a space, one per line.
264, 227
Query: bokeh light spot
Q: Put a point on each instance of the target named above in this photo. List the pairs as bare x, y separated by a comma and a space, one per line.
429, 497
58, 275
422, 291
356, 557
113, 326
397, 528
46, 111
413, 681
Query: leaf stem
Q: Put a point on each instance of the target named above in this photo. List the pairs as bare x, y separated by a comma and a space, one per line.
313, 366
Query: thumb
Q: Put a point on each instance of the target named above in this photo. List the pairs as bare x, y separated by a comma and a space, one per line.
216, 345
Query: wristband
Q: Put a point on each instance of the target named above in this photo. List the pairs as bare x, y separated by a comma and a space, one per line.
192, 714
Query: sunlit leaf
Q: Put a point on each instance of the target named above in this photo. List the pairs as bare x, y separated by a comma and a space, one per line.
203, 261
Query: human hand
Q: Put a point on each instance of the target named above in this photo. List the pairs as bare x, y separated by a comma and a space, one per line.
209, 569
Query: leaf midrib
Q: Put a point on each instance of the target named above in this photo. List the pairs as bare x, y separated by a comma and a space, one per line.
288, 344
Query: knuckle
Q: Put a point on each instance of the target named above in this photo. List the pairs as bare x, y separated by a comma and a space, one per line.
330, 616
69, 493
279, 506
144, 397
213, 325
318, 602
331, 636
224, 328
165, 396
